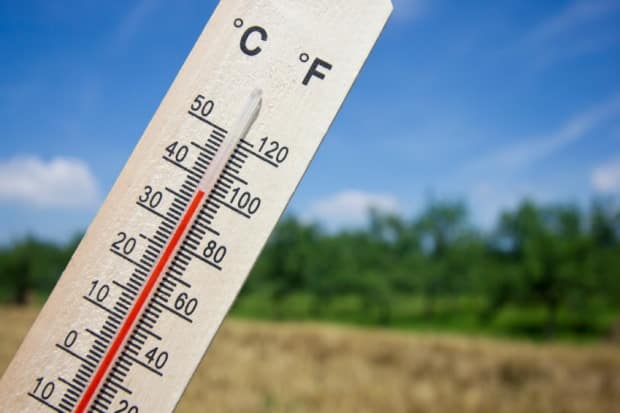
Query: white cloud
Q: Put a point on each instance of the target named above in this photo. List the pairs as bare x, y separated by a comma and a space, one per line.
350, 208
61, 182
406, 10
606, 177
528, 151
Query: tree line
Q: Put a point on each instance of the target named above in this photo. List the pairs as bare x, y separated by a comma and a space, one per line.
541, 271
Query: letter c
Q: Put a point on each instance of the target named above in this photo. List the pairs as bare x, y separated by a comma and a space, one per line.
244, 40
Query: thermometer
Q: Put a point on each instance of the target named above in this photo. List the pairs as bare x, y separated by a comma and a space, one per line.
161, 264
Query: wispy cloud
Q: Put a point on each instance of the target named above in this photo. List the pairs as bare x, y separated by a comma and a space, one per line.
529, 151
497, 181
350, 208
582, 28
131, 23
606, 177
407, 10
575, 15
581, 47
61, 182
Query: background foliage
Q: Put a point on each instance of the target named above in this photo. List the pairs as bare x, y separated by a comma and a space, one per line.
543, 271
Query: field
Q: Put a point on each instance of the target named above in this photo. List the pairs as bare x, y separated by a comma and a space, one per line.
267, 367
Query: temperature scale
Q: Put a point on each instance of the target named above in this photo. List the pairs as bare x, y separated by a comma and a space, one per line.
159, 267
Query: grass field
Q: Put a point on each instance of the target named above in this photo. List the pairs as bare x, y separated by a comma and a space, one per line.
266, 367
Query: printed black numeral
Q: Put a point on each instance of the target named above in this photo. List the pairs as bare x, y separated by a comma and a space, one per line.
202, 105
151, 197
273, 150
214, 252
44, 389
245, 201
177, 152
124, 243
71, 338
126, 407
99, 292
157, 358
185, 304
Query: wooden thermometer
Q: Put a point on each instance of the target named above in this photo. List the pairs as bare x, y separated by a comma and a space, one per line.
159, 267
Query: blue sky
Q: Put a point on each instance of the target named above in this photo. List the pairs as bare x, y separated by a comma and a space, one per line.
485, 101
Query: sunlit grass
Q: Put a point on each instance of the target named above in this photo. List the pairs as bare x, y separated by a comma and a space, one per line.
309, 367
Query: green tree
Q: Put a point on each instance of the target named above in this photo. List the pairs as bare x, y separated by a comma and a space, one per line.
552, 252
16, 270
32, 267
441, 229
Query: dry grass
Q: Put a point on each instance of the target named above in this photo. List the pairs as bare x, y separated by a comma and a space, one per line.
263, 367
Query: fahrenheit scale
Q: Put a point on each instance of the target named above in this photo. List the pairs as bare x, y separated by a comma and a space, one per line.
149, 285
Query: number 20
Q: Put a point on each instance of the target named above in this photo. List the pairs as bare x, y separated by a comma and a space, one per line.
126, 408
